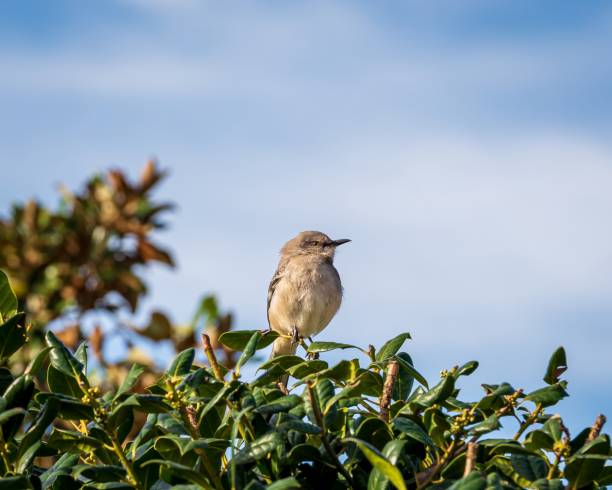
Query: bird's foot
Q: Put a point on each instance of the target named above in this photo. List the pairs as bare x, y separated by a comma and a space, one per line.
312, 355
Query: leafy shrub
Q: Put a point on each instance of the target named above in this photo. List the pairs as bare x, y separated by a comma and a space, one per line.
89, 255
341, 426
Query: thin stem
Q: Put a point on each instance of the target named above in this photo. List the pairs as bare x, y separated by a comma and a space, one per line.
4, 453
426, 476
553, 469
125, 462
188, 421
530, 420
212, 359
328, 448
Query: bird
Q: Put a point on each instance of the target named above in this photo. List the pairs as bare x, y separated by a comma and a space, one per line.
305, 292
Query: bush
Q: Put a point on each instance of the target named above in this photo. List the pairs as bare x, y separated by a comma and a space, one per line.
344, 426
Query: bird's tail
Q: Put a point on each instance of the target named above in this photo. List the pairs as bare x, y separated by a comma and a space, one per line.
283, 346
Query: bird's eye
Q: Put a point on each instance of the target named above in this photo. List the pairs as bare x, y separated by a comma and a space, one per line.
314, 243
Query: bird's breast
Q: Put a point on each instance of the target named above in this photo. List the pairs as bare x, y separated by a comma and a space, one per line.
307, 297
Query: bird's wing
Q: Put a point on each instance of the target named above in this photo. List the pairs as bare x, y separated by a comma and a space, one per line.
278, 275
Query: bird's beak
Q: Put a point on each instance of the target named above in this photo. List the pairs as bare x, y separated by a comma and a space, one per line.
336, 243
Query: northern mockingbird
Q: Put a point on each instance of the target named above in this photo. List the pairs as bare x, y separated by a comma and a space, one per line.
305, 292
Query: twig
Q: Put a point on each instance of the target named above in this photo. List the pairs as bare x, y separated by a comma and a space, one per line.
283, 387
530, 420
330, 451
426, 476
212, 360
470, 458
387, 393
596, 428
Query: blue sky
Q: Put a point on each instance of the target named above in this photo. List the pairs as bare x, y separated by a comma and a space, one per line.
464, 147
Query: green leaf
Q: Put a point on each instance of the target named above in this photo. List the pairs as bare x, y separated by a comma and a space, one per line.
473, 481
68, 440
538, 439
529, 467
494, 482
304, 452
221, 395
467, 369
299, 426
181, 471
392, 452
259, 448
412, 430
306, 368
70, 408
100, 473
63, 360
283, 404
207, 309
406, 366
61, 383
605, 477
181, 365
248, 352
391, 347
374, 431
557, 365
489, 424
285, 484
81, 355
115, 485
15, 483
271, 375
6, 378
8, 300
544, 484
130, 379
238, 339
504, 465
32, 439
437, 394
548, 395
62, 467
13, 335
8, 414
143, 402
315, 347
343, 371
17, 395
282, 361
554, 428
405, 377
379, 462
581, 470
37, 363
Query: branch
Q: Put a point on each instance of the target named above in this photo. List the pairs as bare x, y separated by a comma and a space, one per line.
596, 429
387, 393
470, 458
212, 360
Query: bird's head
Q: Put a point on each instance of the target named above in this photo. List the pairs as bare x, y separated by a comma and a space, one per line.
312, 243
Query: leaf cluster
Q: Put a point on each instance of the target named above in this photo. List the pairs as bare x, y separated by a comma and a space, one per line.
353, 424
73, 257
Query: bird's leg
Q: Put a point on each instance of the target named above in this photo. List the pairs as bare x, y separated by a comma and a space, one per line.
295, 335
